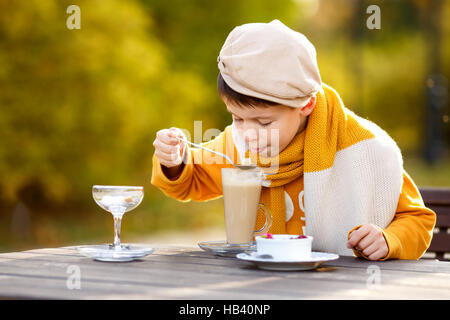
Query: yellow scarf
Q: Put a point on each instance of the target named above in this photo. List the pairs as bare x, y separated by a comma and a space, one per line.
331, 128
290, 168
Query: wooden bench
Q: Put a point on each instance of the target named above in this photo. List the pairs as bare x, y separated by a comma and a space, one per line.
438, 200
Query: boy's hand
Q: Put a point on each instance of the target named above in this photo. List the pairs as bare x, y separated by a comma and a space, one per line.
369, 240
168, 149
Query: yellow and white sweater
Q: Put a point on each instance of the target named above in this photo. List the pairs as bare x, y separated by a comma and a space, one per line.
341, 172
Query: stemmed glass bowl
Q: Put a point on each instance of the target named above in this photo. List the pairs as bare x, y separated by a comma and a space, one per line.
117, 200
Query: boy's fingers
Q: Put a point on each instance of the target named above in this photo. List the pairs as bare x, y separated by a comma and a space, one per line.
165, 147
171, 133
377, 255
371, 249
357, 235
182, 145
175, 132
182, 151
367, 240
165, 155
167, 160
165, 137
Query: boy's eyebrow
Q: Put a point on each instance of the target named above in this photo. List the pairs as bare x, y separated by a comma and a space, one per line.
257, 117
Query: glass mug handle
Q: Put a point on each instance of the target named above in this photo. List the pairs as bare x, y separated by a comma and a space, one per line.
268, 223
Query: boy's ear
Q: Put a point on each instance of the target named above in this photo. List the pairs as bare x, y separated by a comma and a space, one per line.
306, 110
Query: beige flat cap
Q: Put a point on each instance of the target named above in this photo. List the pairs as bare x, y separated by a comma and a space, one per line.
272, 62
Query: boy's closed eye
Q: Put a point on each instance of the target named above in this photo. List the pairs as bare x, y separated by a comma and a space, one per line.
262, 123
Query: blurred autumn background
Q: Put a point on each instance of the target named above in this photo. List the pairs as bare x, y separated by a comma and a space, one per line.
82, 107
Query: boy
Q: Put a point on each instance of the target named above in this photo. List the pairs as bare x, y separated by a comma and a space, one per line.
329, 173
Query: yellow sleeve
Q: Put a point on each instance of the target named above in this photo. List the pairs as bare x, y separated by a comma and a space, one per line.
409, 234
200, 179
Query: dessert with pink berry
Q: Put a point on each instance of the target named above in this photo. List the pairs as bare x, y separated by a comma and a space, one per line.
284, 247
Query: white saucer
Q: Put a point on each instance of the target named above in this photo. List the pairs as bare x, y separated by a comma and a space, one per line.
225, 249
316, 259
105, 252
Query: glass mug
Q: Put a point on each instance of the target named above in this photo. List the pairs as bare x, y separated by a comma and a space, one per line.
241, 194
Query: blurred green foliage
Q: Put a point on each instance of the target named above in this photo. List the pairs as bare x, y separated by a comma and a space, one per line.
81, 107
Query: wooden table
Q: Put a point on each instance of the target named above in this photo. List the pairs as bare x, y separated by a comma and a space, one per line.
186, 272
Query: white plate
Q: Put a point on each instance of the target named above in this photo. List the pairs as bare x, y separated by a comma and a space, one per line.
225, 249
316, 259
104, 252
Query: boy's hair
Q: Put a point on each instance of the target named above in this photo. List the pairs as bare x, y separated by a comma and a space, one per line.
240, 99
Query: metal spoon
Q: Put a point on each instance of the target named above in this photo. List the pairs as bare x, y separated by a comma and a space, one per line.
242, 167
